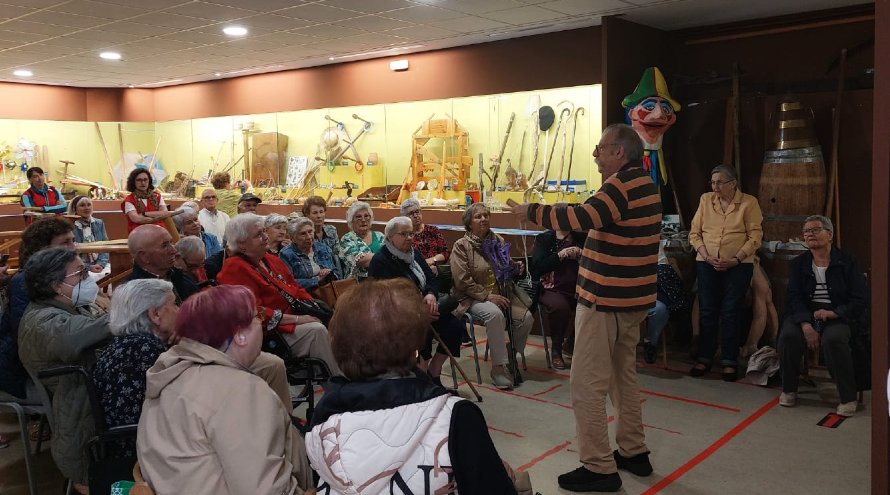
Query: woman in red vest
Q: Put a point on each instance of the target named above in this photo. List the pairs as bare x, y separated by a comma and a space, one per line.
144, 205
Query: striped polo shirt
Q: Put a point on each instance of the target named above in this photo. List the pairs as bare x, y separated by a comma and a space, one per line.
620, 257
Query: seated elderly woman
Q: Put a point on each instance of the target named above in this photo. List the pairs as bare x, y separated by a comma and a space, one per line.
310, 260
358, 246
398, 259
276, 229
427, 239
142, 317
208, 424
477, 290
187, 224
416, 426
56, 331
315, 209
88, 228
43, 233
555, 262
190, 258
274, 286
826, 297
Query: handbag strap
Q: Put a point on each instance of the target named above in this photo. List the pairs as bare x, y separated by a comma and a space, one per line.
291, 300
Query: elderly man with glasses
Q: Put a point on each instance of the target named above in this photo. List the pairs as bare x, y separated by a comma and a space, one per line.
213, 220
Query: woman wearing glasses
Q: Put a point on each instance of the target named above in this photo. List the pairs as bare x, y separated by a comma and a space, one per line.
427, 239
58, 330
726, 232
398, 258
826, 299
358, 246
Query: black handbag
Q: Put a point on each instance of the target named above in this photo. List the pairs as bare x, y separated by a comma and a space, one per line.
306, 307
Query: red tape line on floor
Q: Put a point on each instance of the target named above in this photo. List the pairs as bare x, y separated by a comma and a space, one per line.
543, 456
529, 397
505, 432
690, 401
551, 389
714, 447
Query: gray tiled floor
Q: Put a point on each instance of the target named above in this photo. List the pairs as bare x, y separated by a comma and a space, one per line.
706, 437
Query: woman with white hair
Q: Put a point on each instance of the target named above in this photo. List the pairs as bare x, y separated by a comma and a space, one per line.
398, 259
359, 245
427, 239
142, 320
271, 281
190, 256
276, 229
187, 223
310, 260
88, 228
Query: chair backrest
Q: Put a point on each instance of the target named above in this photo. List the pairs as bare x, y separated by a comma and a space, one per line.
43, 396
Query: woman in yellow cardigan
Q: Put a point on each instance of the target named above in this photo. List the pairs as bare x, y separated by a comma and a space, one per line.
725, 232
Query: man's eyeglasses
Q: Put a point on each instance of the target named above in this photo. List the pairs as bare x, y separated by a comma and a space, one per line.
209, 197
812, 231
598, 148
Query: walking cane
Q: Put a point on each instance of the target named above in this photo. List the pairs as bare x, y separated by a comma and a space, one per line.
454, 363
511, 348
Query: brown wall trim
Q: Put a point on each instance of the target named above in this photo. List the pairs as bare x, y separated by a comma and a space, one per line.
553, 60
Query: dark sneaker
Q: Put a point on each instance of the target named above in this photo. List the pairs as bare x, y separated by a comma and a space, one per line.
650, 353
585, 480
638, 464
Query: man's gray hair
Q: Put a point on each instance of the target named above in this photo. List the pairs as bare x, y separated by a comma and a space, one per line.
238, 229
274, 219
187, 213
467, 216
189, 245
190, 204
394, 223
825, 221
131, 302
626, 137
296, 225
408, 204
355, 208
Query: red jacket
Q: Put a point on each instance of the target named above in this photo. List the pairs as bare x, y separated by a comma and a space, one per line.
237, 270
131, 198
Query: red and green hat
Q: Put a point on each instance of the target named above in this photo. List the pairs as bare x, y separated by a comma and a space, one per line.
651, 84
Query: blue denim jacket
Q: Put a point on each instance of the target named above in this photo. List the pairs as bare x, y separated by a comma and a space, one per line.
98, 228
301, 267
211, 244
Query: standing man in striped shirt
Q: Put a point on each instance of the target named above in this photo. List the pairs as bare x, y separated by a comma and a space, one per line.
616, 288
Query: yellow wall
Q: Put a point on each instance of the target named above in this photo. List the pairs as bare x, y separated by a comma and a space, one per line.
192, 146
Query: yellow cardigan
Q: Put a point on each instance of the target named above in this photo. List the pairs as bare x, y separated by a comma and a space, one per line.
725, 234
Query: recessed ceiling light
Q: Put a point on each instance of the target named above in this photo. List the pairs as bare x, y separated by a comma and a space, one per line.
131, 86
217, 74
235, 31
110, 55
23, 73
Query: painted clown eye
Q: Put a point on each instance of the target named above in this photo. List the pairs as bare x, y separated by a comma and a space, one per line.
666, 108
648, 105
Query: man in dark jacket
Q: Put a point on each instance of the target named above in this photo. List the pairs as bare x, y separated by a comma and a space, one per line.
826, 296
153, 256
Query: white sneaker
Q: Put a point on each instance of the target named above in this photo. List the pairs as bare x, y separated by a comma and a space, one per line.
847, 408
788, 399
501, 377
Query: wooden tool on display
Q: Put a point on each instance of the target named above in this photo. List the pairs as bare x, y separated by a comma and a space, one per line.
496, 162
736, 140
541, 180
65, 164
579, 111
562, 157
832, 205
105, 153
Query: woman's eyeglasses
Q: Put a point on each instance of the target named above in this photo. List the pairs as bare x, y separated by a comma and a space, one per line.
812, 231
718, 183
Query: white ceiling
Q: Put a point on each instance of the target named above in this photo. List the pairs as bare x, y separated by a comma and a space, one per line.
167, 42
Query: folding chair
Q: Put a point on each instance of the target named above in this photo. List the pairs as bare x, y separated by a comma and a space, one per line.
305, 372
472, 330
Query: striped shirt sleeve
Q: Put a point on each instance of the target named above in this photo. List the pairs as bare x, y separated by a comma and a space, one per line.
604, 208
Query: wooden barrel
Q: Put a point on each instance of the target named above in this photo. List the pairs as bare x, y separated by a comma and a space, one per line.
777, 266
792, 127
792, 187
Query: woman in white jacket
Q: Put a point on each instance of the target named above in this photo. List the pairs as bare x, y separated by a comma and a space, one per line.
385, 425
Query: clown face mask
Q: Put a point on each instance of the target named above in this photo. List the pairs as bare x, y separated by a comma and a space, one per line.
651, 118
